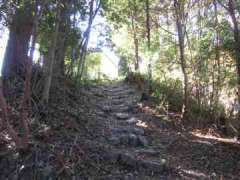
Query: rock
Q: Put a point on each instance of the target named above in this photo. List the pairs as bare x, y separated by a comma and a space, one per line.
127, 159
121, 109
128, 176
133, 140
150, 152
138, 131
125, 130
122, 116
114, 140
113, 157
100, 113
106, 108
98, 94
114, 97
124, 139
153, 166
129, 139
142, 141
132, 120
117, 131
117, 102
47, 171
146, 165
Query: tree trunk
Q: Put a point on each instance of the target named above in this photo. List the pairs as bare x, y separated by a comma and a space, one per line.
59, 65
50, 62
136, 46
15, 58
136, 52
231, 9
179, 10
217, 58
85, 40
135, 39
148, 24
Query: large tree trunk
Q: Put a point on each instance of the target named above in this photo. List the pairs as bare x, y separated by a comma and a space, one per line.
18, 43
231, 9
231, 6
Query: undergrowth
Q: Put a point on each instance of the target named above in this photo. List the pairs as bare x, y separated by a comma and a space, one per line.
167, 96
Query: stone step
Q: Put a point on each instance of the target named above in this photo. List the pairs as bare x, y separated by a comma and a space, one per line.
125, 130
122, 116
152, 166
132, 140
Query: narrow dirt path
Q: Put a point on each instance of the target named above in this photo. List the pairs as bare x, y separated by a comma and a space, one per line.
143, 144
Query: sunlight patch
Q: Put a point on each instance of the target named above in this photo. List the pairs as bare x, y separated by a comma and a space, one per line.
211, 137
195, 173
142, 124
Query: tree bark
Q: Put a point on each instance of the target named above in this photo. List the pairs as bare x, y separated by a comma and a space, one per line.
62, 40
179, 12
15, 57
216, 85
231, 10
148, 24
135, 39
50, 62
86, 37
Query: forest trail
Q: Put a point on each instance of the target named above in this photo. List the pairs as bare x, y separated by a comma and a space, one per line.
148, 145
105, 132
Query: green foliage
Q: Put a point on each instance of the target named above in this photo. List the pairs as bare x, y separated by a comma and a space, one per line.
226, 37
168, 93
92, 70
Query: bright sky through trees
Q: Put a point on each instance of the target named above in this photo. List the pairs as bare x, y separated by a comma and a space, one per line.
3, 43
109, 61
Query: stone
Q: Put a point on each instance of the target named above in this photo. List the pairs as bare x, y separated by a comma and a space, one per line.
153, 166
129, 176
146, 165
124, 139
122, 116
115, 131
128, 140
114, 140
142, 141
138, 131
127, 159
133, 140
117, 102
150, 152
132, 120
47, 171
100, 113
113, 157
125, 130
121, 109
106, 108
